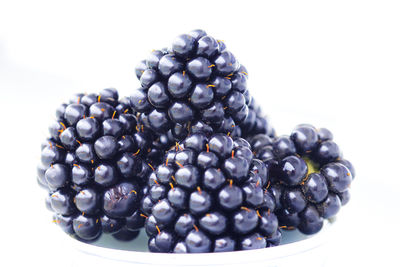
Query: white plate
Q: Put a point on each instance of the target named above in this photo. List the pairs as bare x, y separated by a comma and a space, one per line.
295, 248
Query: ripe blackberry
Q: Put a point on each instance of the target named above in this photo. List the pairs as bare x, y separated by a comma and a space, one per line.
210, 194
196, 85
95, 166
310, 178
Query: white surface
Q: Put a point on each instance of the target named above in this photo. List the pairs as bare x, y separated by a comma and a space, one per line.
333, 64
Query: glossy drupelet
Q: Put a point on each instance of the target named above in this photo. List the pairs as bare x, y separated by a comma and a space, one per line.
196, 85
256, 122
210, 195
310, 179
95, 166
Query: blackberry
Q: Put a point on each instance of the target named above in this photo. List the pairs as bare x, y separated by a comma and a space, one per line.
95, 166
210, 194
309, 176
196, 85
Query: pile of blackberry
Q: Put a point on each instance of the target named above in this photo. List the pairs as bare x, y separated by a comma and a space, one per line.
310, 178
190, 157
95, 165
210, 195
196, 85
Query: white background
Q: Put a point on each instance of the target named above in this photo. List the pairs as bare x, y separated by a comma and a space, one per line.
333, 64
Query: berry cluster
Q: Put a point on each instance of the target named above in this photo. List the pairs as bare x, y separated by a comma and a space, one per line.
210, 194
95, 164
310, 178
190, 157
196, 85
